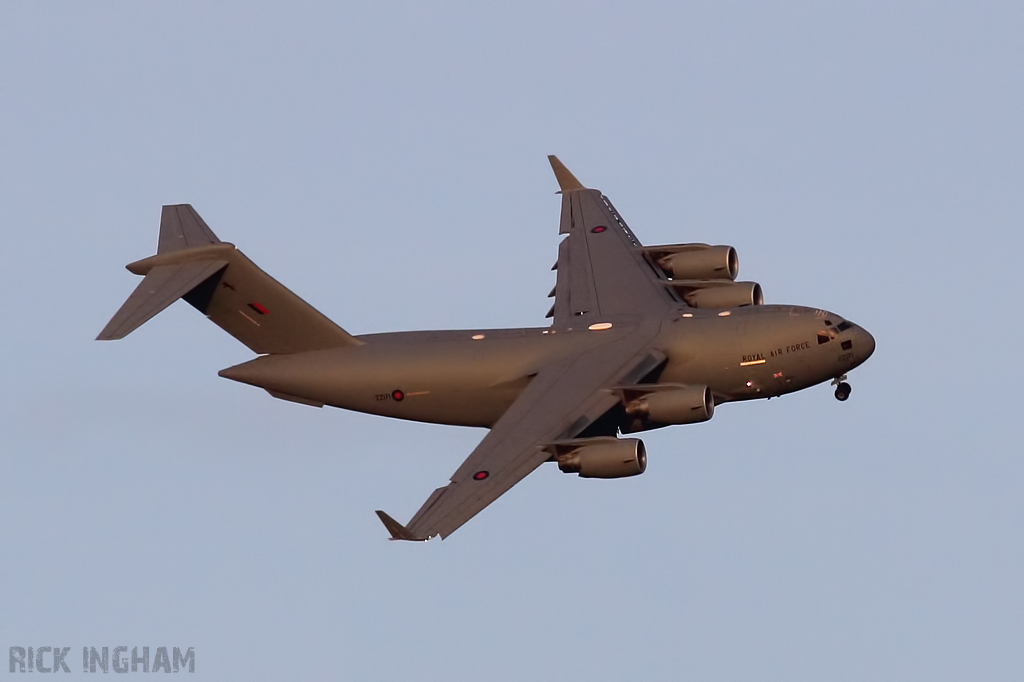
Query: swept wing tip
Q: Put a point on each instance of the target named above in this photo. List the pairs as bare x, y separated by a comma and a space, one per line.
397, 530
566, 180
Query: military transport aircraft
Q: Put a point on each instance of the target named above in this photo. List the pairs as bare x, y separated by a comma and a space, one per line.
642, 337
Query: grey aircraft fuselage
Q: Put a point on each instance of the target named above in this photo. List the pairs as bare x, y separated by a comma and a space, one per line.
471, 377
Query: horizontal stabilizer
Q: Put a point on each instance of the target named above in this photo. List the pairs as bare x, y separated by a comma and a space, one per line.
162, 286
397, 530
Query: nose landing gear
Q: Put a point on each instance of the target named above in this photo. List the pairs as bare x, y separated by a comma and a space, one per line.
843, 389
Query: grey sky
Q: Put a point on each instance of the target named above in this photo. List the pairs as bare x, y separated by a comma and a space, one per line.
386, 162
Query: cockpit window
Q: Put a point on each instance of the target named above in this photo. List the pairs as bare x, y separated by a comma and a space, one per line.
844, 325
828, 323
823, 337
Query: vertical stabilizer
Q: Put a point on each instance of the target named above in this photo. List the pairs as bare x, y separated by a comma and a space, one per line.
182, 228
219, 281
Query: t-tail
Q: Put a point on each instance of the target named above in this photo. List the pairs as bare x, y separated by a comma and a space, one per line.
220, 282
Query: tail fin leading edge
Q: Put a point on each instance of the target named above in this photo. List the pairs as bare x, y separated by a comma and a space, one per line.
219, 281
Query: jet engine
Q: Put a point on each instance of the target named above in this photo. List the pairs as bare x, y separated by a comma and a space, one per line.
697, 261
717, 295
611, 458
685, 405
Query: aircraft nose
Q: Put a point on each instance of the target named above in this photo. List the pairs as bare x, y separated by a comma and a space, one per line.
866, 342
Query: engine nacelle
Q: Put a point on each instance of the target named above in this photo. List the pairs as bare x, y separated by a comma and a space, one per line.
731, 295
700, 261
606, 459
687, 405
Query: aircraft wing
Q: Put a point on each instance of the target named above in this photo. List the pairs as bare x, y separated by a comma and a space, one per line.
601, 267
562, 399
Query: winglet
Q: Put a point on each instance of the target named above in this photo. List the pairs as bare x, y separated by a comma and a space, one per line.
566, 180
397, 530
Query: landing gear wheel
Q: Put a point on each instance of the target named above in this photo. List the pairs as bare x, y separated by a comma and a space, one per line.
843, 391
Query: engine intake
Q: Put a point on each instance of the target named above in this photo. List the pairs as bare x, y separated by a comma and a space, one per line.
687, 405
607, 459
